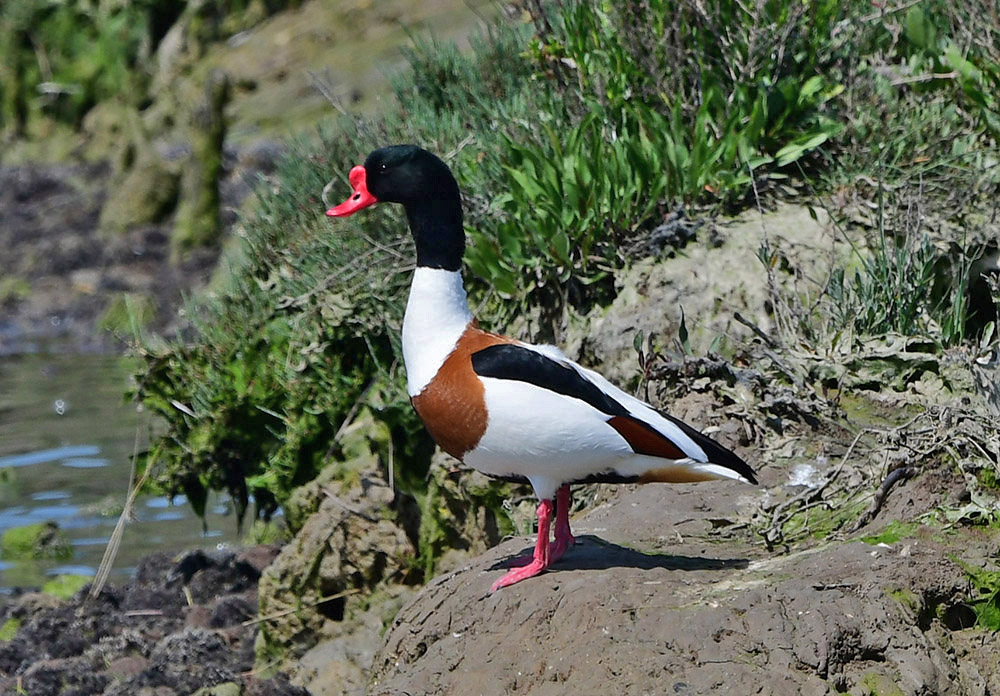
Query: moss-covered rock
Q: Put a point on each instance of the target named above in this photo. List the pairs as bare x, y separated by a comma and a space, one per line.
348, 547
147, 193
66, 585
105, 127
145, 186
35, 541
463, 513
198, 223
265, 532
358, 443
9, 629
13, 289
224, 689
354, 549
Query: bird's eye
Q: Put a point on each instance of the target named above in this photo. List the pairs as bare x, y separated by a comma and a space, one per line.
383, 167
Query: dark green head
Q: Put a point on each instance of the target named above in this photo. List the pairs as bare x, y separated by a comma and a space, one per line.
425, 187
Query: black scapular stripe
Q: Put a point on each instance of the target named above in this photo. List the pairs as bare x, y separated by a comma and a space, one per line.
509, 361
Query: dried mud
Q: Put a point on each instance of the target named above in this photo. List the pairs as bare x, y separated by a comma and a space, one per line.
180, 625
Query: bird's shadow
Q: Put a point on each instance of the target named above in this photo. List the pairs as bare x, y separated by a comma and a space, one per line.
593, 553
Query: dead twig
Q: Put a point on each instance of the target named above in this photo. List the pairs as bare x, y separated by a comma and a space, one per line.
900, 474
286, 612
350, 508
807, 499
771, 343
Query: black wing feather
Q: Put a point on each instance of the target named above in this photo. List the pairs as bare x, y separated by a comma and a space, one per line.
716, 453
510, 361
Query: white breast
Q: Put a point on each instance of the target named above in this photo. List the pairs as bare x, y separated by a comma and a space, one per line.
437, 313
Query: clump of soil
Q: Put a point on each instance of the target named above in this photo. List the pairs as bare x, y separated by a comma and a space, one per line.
180, 625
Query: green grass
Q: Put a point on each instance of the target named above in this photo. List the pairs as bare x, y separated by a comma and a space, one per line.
984, 597
893, 533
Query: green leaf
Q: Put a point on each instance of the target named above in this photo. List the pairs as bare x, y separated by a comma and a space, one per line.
919, 29
637, 341
959, 64
795, 149
560, 242
527, 184
811, 86
682, 335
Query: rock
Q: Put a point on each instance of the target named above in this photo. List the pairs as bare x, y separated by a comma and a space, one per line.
258, 557
231, 611
75, 675
709, 281
227, 689
197, 617
29, 603
339, 666
192, 659
126, 667
350, 543
145, 188
35, 541
150, 637
198, 222
360, 442
666, 614
465, 512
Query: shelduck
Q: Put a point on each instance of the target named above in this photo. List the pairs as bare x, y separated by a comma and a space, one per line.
511, 409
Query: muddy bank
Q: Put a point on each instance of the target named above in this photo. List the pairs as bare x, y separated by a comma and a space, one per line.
653, 599
181, 625
63, 280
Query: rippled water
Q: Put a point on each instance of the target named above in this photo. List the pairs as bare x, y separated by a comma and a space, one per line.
66, 439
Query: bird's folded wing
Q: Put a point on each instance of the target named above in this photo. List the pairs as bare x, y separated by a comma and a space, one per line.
647, 431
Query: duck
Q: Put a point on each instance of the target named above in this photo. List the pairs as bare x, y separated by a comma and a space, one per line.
514, 410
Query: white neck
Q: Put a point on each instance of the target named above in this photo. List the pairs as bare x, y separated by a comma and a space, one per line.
437, 314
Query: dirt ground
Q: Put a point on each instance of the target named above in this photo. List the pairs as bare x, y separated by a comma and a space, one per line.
654, 600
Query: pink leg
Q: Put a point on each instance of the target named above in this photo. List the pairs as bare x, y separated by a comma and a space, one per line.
564, 538
541, 559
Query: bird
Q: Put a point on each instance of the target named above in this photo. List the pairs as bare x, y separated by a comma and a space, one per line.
514, 410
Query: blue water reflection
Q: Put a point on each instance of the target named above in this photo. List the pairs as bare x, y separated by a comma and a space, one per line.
72, 466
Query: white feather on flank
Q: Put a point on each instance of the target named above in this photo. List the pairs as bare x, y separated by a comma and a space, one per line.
637, 408
546, 437
437, 314
551, 439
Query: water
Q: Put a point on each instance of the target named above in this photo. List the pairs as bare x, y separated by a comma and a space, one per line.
66, 441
